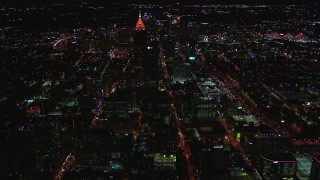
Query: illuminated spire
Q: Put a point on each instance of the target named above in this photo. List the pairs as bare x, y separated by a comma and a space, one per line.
139, 25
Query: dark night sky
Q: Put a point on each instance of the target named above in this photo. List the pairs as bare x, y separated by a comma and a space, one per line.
248, 2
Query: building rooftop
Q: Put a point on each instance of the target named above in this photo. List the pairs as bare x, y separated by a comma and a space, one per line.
247, 119
280, 157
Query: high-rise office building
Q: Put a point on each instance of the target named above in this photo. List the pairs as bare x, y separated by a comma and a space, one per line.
203, 109
146, 54
315, 169
278, 166
151, 66
181, 73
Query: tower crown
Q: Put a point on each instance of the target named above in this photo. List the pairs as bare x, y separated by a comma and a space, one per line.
140, 25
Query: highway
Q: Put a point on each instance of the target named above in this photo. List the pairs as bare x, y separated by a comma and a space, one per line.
66, 166
60, 42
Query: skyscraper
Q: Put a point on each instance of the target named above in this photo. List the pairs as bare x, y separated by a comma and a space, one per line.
150, 66
140, 35
146, 54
